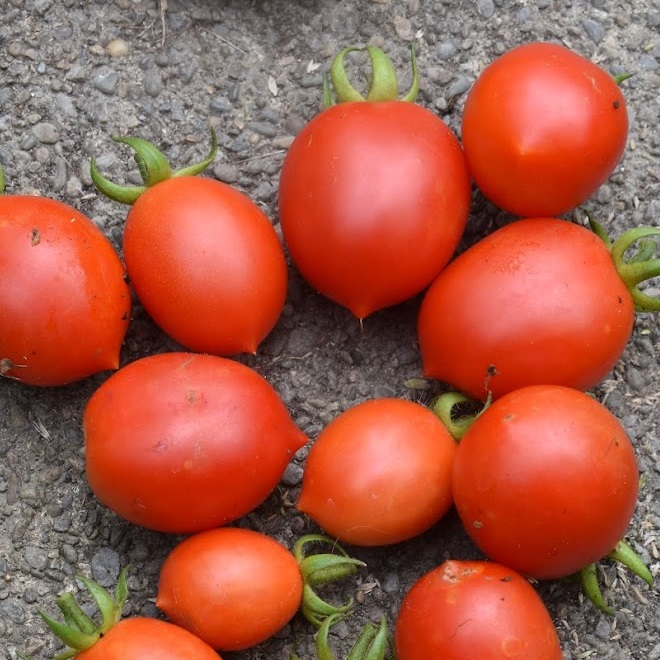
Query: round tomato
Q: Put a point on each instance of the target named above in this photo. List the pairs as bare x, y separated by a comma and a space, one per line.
545, 480
148, 639
181, 442
379, 473
64, 302
233, 588
472, 610
206, 263
373, 200
542, 129
538, 301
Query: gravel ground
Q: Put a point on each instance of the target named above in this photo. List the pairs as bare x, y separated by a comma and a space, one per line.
75, 72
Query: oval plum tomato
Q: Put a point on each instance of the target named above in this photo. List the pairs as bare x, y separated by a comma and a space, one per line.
233, 588
373, 200
474, 610
537, 301
181, 442
148, 639
542, 129
203, 258
64, 302
379, 473
545, 480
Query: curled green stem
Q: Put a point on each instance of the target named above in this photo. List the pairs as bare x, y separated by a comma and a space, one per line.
153, 167
383, 83
640, 266
319, 569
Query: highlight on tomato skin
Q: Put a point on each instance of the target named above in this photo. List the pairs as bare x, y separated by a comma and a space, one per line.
555, 123
64, 300
464, 610
379, 473
231, 587
182, 442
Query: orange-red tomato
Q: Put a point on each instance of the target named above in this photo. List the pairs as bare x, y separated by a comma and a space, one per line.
373, 200
545, 480
542, 129
206, 263
148, 639
182, 442
472, 610
538, 301
64, 301
232, 587
379, 473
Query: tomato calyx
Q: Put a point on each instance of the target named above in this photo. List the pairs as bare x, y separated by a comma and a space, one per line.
458, 412
623, 554
153, 166
372, 643
383, 83
79, 631
318, 570
639, 267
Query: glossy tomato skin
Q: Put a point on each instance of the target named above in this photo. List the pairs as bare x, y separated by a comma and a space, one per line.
206, 263
182, 442
148, 639
379, 473
545, 481
538, 301
542, 129
373, 200
234, 588
471, 610
64, 301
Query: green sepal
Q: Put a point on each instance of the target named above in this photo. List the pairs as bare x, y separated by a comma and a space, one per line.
320, 569
625, 555
588, 577
2, 180
153, 166
620, 77
446, 406
372, 642
383, 83
72, 637
74, 616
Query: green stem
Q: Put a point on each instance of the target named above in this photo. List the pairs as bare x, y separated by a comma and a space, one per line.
383, 83
448, 404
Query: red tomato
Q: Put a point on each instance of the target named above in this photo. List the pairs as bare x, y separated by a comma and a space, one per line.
379, 473
148, 639
537, 301
472, 610
233, 588
542, 129
206, 263
180, 442
545, 481
373, 200
64, 302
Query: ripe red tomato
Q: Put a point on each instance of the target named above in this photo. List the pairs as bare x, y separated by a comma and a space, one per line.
537, 301
545, 481
206, 263
180, 442
373, 200
379, 473
472, 610
542, 129
148, 639
64, 301
233, 588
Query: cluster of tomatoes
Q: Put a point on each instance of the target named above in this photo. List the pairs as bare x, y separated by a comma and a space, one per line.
374, 197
